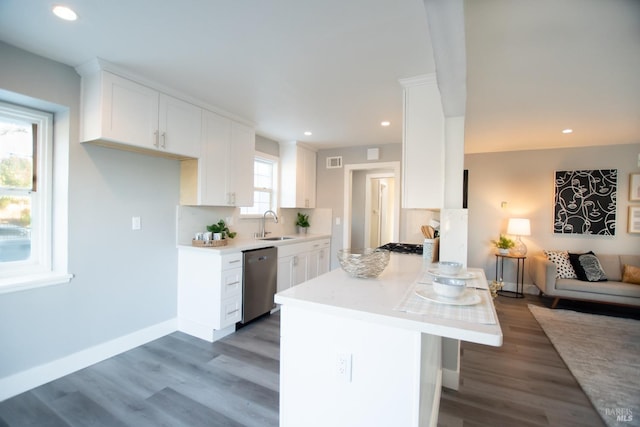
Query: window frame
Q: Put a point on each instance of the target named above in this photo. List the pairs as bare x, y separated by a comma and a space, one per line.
260, 156
47, 227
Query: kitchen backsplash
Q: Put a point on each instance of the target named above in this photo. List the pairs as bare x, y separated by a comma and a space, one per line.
194, 219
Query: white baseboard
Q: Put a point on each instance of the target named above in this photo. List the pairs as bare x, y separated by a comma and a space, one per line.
204, 332
450, 379
527, 288
26, 380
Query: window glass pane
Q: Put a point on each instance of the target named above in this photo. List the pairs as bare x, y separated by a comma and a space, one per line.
15, 228
16, 154
263, 183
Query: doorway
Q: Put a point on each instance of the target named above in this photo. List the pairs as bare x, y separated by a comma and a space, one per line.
378, 224
371, 218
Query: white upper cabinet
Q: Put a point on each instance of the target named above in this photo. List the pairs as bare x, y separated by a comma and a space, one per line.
179, 126
124, 114
298, 176
223, 176
240, 164
423, 144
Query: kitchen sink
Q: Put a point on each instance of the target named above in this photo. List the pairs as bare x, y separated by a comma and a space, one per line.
273, 239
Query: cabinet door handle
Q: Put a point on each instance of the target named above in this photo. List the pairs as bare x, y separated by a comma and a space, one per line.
233, 311
233, 283
295, 260
234, 261
157, 140
164, 140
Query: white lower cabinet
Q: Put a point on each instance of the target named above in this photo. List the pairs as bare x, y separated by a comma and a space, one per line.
302, 261
318, 259
209, 293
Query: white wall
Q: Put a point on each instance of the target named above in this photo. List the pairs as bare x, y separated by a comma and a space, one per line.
524, 180
124, 280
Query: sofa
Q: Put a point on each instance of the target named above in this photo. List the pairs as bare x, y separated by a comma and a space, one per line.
551, 274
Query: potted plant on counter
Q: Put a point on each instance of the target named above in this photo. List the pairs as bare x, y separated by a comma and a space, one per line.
503, 244
303, 223
220, 232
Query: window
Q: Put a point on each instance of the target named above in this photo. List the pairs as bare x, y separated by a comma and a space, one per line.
26, 143
265, 183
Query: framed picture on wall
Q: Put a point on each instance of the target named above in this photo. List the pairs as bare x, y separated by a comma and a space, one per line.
634, 187
634, 219
585, 202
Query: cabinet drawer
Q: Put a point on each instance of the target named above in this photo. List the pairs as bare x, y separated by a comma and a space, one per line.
231, 283
231, 312
319, 244
232, 261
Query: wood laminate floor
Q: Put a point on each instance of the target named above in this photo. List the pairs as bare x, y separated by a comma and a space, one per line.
179, 381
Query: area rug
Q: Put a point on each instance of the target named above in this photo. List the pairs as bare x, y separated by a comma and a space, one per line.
603, 354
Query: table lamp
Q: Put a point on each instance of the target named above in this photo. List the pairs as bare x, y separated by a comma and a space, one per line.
519, 227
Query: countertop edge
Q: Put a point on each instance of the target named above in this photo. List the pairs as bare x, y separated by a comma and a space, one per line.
248, 243
416, 322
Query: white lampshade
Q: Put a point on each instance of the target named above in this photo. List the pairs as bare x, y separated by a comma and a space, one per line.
519, 227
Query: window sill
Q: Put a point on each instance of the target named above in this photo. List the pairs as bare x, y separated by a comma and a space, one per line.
15, 284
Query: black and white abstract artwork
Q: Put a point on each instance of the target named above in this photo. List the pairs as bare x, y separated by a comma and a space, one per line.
585, 202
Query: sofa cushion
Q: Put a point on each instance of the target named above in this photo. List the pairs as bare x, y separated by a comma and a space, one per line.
611, 265
564, 269
601, 288
587, 267
631, 274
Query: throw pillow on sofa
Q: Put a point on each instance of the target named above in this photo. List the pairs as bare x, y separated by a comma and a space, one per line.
564, 269
631, 274
587, 267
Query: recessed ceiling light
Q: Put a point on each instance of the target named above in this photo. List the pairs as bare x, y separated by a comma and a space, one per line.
385, 123
64, 12
566, 131
308, 133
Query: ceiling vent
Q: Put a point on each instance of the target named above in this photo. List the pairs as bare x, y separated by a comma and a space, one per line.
334, 162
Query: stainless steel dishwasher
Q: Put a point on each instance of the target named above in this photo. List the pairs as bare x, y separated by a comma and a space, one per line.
259, 281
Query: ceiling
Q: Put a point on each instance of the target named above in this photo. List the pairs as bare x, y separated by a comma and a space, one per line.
332, 66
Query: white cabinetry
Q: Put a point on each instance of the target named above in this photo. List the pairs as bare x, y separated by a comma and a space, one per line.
124, 114
318, 258
302, 261
423, 144
209, 293
292, 265
298, 172
223, 176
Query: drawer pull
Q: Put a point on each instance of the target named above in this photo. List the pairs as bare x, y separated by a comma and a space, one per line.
233, 312
234, 261
233, 283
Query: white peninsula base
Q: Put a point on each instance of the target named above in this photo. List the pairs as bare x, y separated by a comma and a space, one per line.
337, 371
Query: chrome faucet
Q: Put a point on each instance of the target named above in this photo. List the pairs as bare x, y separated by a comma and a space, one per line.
263, 233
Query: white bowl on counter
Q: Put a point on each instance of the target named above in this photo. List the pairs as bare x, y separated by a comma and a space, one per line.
449, 287
450, 268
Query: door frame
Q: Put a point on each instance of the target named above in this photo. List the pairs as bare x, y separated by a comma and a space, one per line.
348, 187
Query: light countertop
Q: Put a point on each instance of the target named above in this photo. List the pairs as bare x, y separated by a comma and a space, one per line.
378, 299
243, 244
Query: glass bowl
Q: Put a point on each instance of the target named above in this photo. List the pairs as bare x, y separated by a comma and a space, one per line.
365, 263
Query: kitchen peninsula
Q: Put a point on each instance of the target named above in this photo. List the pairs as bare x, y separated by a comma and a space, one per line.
352, 354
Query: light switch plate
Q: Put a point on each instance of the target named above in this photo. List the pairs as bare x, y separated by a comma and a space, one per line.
135, 223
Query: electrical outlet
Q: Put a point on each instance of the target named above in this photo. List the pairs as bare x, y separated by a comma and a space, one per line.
343, 367
135, 223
